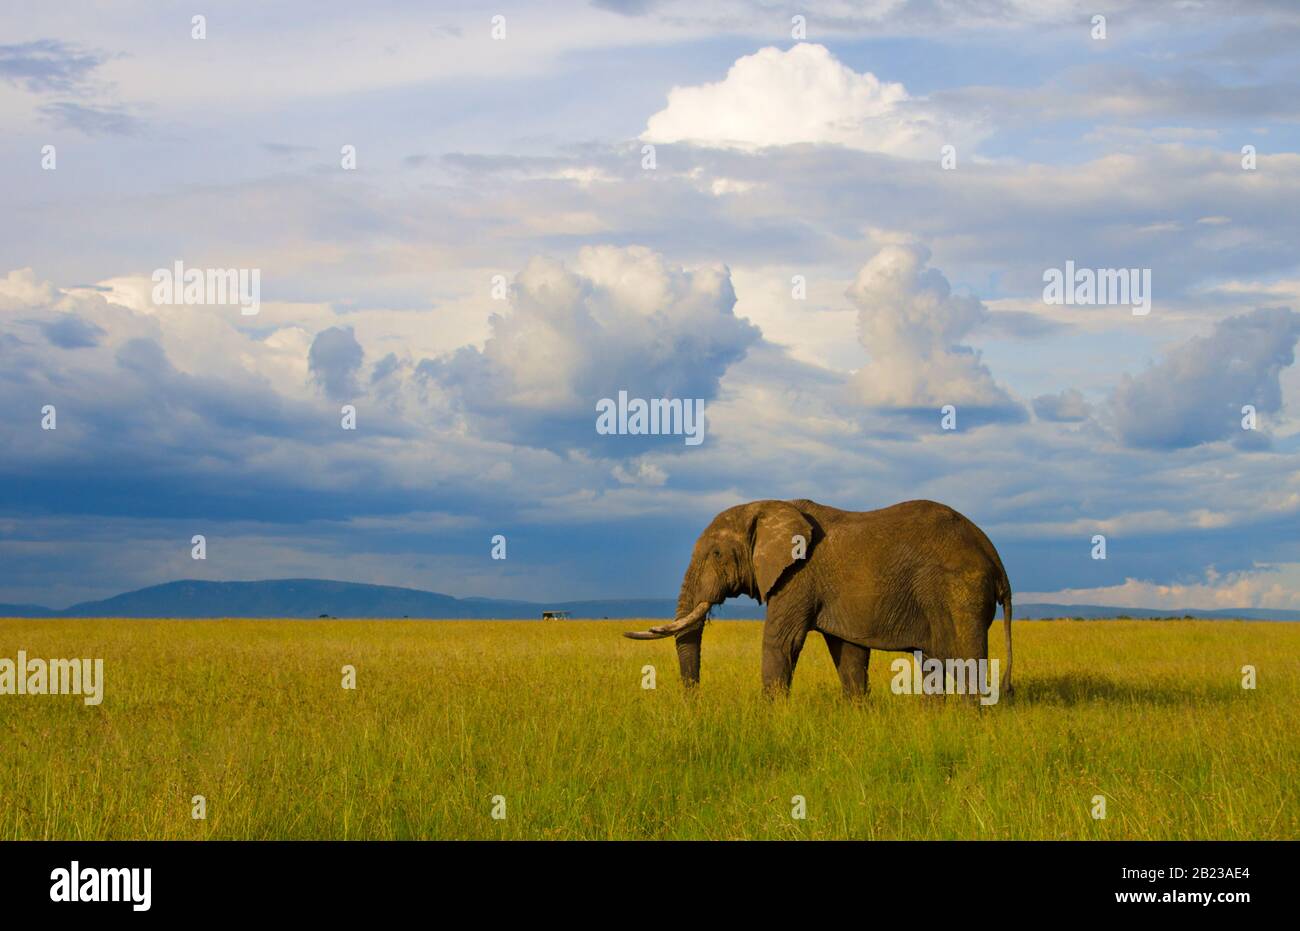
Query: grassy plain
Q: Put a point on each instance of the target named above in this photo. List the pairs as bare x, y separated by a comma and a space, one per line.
1150, 715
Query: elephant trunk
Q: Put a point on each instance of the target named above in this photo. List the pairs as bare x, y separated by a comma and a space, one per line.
689, 640
688, 655
688, 629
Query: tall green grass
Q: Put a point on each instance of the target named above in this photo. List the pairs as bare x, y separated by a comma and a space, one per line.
447, 715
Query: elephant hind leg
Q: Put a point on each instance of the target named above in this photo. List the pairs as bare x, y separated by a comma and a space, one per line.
851, 663
934, 691
971, 648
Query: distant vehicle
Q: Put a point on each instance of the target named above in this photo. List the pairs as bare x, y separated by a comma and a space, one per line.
555, 615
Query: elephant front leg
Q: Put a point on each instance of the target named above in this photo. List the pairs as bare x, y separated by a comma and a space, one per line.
851, 662
782, 643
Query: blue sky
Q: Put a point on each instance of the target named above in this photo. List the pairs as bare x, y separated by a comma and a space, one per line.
522, 157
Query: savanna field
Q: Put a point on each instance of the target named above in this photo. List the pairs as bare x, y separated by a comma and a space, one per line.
553, 717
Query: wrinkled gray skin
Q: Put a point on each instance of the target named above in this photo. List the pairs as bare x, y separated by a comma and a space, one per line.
914, 576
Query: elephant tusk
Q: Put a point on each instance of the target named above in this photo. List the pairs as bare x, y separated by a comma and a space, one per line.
688, 622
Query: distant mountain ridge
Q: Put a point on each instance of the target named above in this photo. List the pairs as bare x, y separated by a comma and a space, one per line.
311, 598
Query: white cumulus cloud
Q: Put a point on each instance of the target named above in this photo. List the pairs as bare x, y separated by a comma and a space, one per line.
804, 95
619, 319
911, 325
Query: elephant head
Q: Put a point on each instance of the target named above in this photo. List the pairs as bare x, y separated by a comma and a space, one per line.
745, 551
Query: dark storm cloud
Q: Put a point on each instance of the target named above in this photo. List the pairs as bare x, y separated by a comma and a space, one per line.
152, 441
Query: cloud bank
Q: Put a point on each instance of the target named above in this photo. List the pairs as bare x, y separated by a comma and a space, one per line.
1196, 393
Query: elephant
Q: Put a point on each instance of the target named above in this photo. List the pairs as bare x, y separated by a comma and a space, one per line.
913, 576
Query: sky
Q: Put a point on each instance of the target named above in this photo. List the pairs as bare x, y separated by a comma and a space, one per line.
828, 222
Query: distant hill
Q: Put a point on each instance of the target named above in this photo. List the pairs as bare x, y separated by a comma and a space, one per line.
273, 598
311, 598
25, 611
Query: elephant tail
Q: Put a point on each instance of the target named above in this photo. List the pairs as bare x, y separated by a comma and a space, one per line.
1004, 597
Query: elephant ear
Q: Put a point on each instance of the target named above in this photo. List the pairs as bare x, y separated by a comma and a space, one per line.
775, 526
